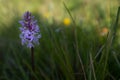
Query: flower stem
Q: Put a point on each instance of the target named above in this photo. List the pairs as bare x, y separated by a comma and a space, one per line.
32, 59
32, 62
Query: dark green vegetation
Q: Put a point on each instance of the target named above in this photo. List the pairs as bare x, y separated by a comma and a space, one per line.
83, 50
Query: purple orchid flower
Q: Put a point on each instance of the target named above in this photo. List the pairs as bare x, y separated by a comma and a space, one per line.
29, 30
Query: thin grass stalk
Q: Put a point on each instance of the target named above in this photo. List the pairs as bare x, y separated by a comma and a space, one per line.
76, 40
99, 52
111, 76
116, 24
116, 58
110, 41
92, 66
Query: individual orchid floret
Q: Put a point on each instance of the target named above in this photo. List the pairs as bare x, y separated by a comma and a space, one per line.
30, 33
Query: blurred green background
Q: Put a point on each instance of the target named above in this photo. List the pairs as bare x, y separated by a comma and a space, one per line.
71, 48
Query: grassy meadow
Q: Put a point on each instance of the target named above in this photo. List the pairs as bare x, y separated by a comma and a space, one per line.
80, 40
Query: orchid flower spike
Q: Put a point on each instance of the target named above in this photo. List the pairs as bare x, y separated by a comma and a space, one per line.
30, 33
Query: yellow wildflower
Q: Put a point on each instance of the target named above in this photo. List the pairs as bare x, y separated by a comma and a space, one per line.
66, 21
